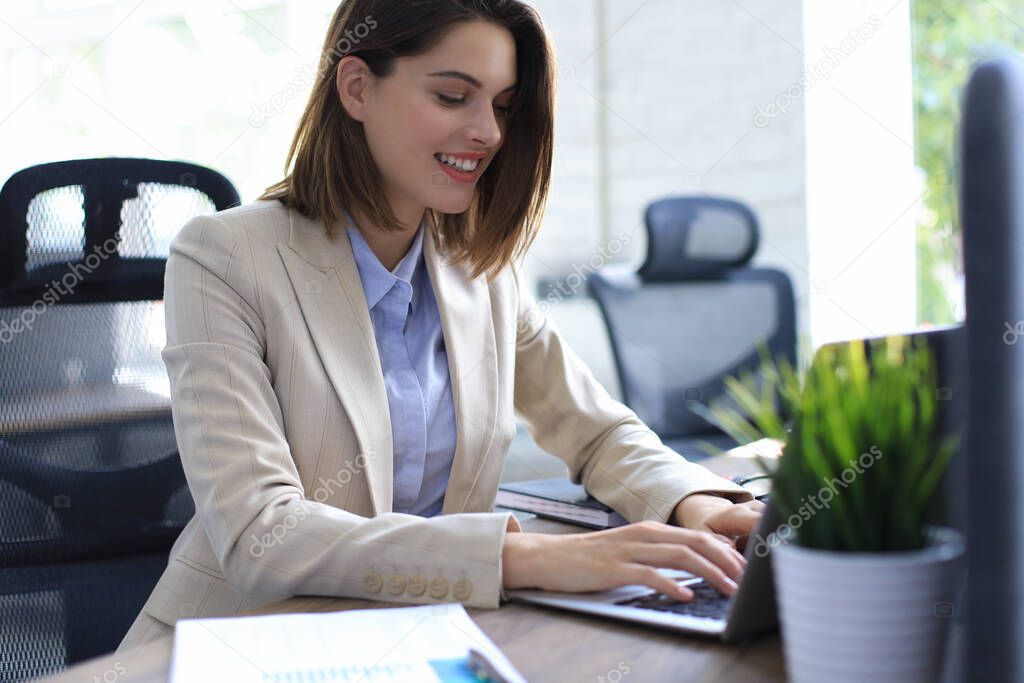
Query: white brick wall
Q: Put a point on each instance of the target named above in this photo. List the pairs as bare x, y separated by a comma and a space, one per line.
683, 78
683, 81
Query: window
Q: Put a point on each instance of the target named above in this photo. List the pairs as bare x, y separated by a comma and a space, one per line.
948, 37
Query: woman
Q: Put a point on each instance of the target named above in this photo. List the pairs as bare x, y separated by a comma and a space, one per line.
347, 354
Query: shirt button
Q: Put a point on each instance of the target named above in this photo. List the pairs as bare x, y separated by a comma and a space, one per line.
373, 583
396, 584
438, 587
462, 589
417, 585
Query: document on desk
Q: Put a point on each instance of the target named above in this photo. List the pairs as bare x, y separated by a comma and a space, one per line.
427, 643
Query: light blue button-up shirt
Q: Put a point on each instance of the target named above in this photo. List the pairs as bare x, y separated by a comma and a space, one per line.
407, 327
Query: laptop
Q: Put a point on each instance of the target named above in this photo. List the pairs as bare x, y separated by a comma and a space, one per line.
749, 612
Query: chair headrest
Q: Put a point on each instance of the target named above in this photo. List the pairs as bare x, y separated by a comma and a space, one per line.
695, 237
66, 214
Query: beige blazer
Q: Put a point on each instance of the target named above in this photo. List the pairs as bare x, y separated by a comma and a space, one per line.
281, 418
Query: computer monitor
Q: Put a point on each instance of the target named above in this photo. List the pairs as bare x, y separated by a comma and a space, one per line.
992, 219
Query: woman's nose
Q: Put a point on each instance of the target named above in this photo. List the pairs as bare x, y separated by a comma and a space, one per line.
485, 128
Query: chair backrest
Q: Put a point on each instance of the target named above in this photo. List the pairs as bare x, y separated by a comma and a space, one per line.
89, 469
694, 312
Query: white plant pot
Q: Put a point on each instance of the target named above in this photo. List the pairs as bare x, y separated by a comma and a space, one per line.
867, 617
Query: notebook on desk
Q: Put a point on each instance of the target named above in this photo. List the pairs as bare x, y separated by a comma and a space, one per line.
558, 499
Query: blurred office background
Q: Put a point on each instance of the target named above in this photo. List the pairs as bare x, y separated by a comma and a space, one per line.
832, 121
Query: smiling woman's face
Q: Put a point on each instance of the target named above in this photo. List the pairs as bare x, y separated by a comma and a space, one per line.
435, 123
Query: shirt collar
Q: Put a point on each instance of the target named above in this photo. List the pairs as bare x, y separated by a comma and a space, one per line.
378, 280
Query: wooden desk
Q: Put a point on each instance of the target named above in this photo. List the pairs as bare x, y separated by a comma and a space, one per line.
544, 644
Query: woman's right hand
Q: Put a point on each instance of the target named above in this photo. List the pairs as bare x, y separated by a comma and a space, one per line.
625, 555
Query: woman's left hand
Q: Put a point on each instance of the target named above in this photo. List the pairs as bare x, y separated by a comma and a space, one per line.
718, 515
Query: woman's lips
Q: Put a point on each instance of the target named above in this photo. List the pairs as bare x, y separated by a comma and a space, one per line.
460, 176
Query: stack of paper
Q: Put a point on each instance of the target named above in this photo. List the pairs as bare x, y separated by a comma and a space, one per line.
391, 645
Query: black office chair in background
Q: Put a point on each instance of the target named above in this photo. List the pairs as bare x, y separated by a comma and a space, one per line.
693, 314
92, 493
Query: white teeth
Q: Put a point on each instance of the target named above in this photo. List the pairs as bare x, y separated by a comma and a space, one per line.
465, 165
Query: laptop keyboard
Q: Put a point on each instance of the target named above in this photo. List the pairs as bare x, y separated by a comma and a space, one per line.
707, 602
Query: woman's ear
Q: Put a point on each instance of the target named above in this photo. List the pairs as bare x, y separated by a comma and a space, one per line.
352, 80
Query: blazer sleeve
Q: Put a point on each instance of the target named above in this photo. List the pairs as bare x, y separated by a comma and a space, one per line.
617, 458
230, 433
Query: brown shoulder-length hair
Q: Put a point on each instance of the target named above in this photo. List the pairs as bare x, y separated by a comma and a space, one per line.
333, 169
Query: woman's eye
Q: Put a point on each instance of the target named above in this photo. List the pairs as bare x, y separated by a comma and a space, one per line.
447, 99
450, 100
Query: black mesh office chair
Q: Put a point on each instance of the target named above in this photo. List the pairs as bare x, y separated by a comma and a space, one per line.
92, 493
693, 314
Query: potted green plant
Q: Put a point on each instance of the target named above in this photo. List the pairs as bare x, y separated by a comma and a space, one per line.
864, 583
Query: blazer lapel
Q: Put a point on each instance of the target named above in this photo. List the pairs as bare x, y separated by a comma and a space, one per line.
326, 281
465, 309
